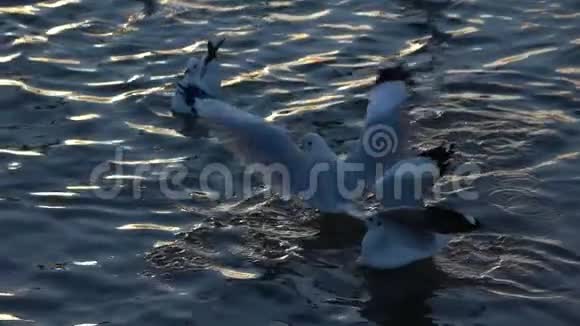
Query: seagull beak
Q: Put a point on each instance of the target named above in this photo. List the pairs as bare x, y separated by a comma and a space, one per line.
185, 72
212, 50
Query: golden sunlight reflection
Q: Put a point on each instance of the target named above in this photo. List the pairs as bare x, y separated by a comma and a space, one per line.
518, 57
377, 13
106, 83
153, 161
124, 96
184, 50
298, 18
32, 89
125, 177
413, 46
159, 243
20, 153
14, 166
341, 38
9, 57
463, 31
166, 114
50, 207
348, 27
285, 66
313, 58
367, 81
126, 57
85, 263
81, 68
234, 274
54, 194
39, 91
136, 56
569, 70
10, 317
276, 4
82, 187
83, 117
55, 60
476, 21
149, 226
30, 39
568, 16
154, 130
206, 6
79, 97
247, 76
537, 294
169, 76
479, 96
298, 107
317, 100
541, 116
291, 38
576, 82
573, 156
59, 29
85, 142
56, 3
162, 212
19, 10
236, 32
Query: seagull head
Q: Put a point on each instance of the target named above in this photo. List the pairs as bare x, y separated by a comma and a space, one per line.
205, 72
373, 243
374, 222
391, 87
394, 74
202, 78
313, 144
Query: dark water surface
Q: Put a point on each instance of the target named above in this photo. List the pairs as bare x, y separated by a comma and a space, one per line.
86, 84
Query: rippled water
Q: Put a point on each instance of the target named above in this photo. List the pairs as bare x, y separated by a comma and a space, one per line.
81, 79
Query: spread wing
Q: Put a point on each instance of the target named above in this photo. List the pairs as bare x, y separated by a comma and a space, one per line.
255, 140
383, 137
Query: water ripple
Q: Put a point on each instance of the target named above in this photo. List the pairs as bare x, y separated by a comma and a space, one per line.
498, 79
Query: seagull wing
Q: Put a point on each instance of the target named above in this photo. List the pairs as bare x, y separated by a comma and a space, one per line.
382, 139
254, 139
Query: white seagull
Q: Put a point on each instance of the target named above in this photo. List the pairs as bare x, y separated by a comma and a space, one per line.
400, 236
312, 170
405, 231
203, 72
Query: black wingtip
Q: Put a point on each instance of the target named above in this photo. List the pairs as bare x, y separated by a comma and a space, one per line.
445, 220
442, 155
213, 49
397, 73
190, 92
150, 6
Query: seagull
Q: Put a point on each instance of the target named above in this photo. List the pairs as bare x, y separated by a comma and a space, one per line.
405, 231
205, 74
310, 169
400, 236
408, 181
